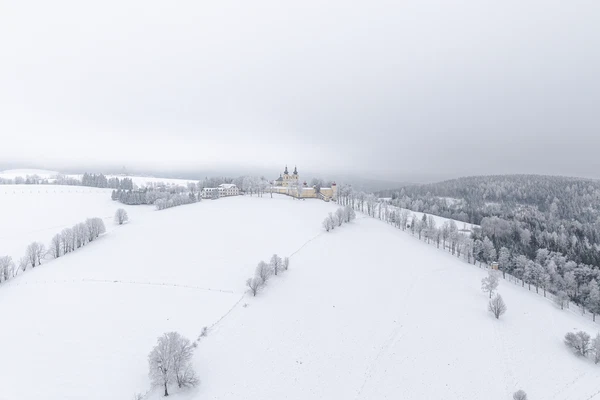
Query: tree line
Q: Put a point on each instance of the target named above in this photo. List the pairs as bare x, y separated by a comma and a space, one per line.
160, 197
502, 241
264, 271
341, 215
64, 242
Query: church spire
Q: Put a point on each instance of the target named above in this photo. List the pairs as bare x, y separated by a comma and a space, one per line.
286, 171
295, 170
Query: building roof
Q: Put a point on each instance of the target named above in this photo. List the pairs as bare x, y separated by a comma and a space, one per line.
227, 185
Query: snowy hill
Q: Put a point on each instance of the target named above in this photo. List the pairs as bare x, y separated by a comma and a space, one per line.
365, 312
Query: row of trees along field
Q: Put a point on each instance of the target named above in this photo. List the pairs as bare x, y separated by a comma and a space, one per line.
544, 231
66, 241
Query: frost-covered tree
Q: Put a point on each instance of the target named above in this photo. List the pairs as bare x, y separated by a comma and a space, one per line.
489, 284
67, 240
185, 376
349, 214
520, 395
504, 261
332, 220
327, 224
34, 253
580, 342
275, 263
23, 263
596, 348
55, 246
170, 361
7, 268
121, 216
263, 271
489, 252
254, 284
496, 306
339, 215
404, 214
561, 299
95, 227
592, 302
81, 234
286, 263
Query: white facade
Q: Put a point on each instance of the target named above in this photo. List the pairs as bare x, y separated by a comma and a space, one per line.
223, 190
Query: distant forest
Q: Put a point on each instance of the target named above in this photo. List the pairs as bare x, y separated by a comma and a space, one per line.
553, 221
525, 212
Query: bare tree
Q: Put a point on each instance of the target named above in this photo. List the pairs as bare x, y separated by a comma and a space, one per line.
275, 263
170, 361
520, 395
95, 227
7, 268
81, 233
182, 361
496, 306
327, 224
34, 253
67, 240
23, 263
332, 220
254, 284
121, 216
489, 284
339, 214
286, 263
580, 342
596, 348
263, 271
55, 248
561, 299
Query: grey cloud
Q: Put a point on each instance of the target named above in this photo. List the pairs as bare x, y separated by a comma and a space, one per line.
396, 90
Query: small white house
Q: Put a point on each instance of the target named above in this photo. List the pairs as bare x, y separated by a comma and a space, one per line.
223, 190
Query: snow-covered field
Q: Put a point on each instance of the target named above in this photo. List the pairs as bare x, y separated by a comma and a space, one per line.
365, 312
37, 212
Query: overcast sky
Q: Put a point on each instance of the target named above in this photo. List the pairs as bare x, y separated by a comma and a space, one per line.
402, 90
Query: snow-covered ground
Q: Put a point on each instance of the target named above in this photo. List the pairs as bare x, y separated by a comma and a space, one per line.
37, 212
83, 325
365, 312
